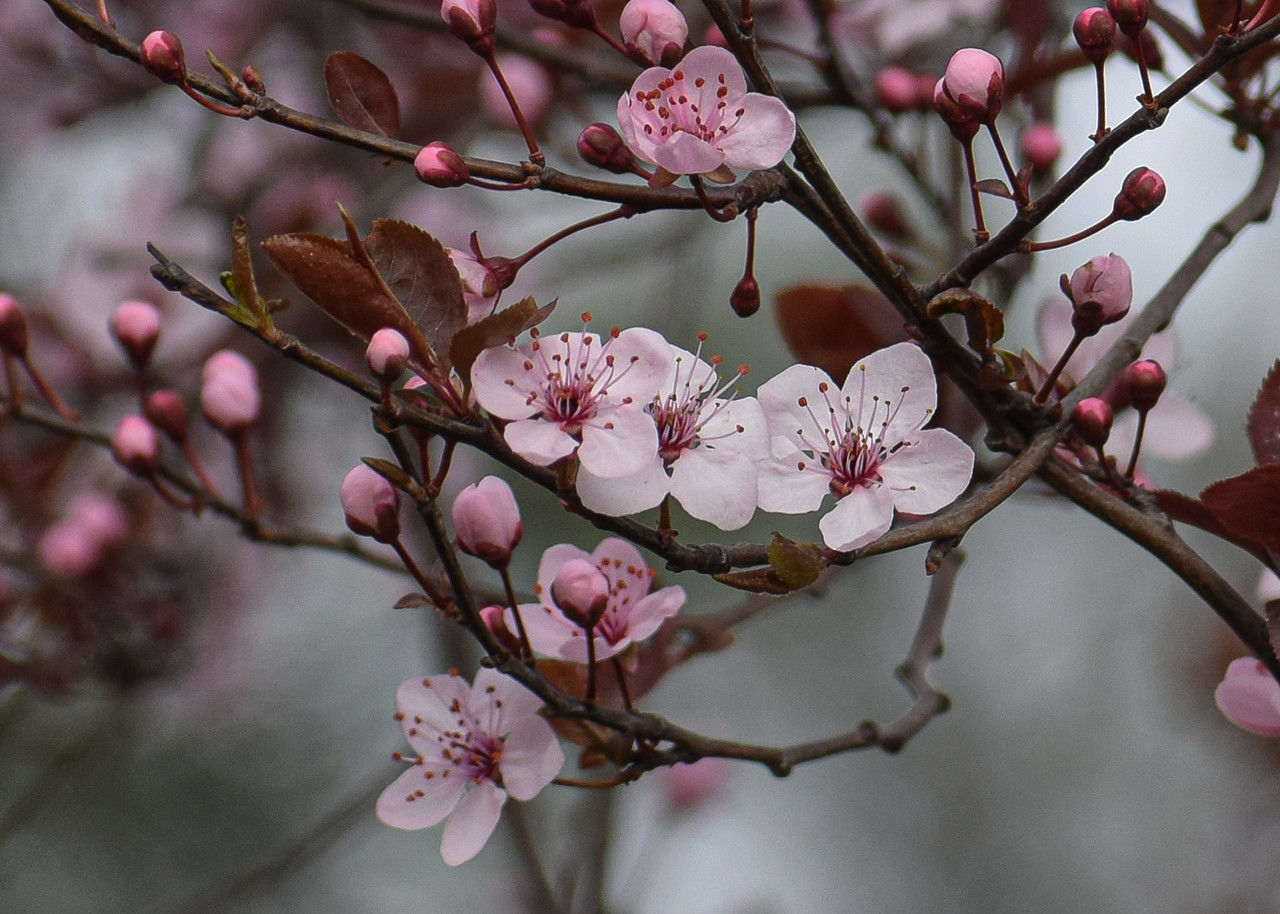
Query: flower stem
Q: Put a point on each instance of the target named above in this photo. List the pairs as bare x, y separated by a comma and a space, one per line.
1031, 247
1137, 445
622, 212
535, 154
1019, 197
728, 214
46, 391
525, 647
622, 683
1102, 103
213, 106
1042, 395
591, 665
252, 500
980, 233
446, 459
1148, 97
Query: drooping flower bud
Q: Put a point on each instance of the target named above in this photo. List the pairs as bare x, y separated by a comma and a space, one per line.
1143, 383
487, 520
897, 89
229, 392
1130, 15
1101, 292
602, 146
1095, 32
1041, 145
387, 354
136, 327
655, 29
370, 504
1143, 190
438, 165
581, 591
1092, 419
473, 21
14, 337
163, 57
167, 411
745, 298
970, 92
136, 446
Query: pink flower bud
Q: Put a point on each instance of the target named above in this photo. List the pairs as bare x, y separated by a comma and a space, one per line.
1143, 383
166, 410
495, 618
653, 28
745, 298
581, 591
1095, 31
1143, 190
1041, 146
370, 504
102, 518
1092, 418
884, 211
439, 165
163, 57
1130, 15
897, 89
487, 520
972, 89
387, 354
136, 327
14, 338
689, 786
1101, 292
471, 20
68, 551
602, 146
229, 392
136, 446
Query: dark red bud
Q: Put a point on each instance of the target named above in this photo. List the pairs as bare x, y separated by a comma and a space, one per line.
166, 410
439, 165
13, 327
884, 212
1092, 419
1143, 190
1144, 383
745, 299
602, 146
1130, 15
163, 57
577, 13
1095, 31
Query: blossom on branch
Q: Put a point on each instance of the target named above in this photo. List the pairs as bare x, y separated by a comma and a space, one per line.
864, 443
1249, 697
487, 735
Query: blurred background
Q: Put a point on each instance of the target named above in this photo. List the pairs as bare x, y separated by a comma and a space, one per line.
203, 724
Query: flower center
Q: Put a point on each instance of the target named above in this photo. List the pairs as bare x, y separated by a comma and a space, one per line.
571, 377
681, 413
698, 107
853, 446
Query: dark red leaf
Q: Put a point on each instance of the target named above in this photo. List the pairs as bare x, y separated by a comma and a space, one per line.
1264, 419
995, 187
834, 326
361, 94
495, 330
1248, 505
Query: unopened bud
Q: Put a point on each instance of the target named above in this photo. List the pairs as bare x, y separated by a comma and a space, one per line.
654, 29
1144, 382
387, 354
14, 337
439, 165
487, 520
167, 411
745, 299
495, 618
972, 88
897, 89
163, 57
1130, 15
1092, 418
136, 446
471, 20
1101, 292
253, 79
229, 392
136, 327
1143, 190
577, 13
1041, 146
1095, 32
370, 504
581, 591
884, 212
102, 518
68, 551
602, 146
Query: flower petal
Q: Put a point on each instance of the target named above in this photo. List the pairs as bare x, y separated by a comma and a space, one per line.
490, 376
471, 824
624, 495
501, 700
780, 397
929, 472
619, 443
686, 154
713, 62
531, 757
783, 489
553, 559
901, 376
762, 135
539, 441
648, 615
424, 708
858, 518
715, 487
547, 628
401, 806
1250, 697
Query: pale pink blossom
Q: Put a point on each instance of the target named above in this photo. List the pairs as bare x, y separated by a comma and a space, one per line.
654, 28
480, 287
475, 744
709, 443
1249, 697
632, 613
577, 394
487, 520
697, 116
865, 443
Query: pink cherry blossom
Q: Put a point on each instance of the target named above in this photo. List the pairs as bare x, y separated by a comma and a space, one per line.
632, 613
864, 443
488, 736
480, 288
1250, 697
708, 448
698, 116
577, 394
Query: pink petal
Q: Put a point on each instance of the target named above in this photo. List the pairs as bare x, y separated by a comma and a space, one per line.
716, 487
783, 489
531, 757
686, 154
440, 796
649, 614
885, 373
1250, 697
471, 824
710, 61
489, 376
928, 474
643, 359
538, 441
548, 630
619, 443
553, 559
858, 518
632, 134
779, 399
500, 698
625, 495
620, 560
424, 705
762, 135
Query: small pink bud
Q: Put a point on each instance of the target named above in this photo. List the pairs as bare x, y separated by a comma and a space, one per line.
654, 29
974, 84
166, 410
1101, 292
602, 146
1130, 15
745, 298
1095, 31
471, 20
495, 618
689, 786
68, 551
884, 212
897, 89
487, 520
102, 518
1249, 697
1041, 146
229, 392
163, 57
1143, 190
387, 354
14, 337
439, 165
136, 446
370, 504
1092, 419
581, 591
136, 327
1143, 383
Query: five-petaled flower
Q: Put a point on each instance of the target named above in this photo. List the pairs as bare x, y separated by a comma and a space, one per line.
864, 443
632, 613
488, 736
698, 116
577, 393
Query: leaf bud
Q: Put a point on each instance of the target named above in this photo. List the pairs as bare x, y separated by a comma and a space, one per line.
136, 446
602, 146
163, 57
1143, 383
438, 165
370, 504
1095, 32
1143, 190
581, 591
136, 327
487, 520
1092, 419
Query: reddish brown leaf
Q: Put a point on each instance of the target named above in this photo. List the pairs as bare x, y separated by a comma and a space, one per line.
983, 320
495, 330
418, 270
1264, 419
1248, 505
361, 94
834, 326
995, 187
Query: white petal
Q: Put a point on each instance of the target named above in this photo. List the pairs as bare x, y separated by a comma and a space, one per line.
546, 626
686, 154
619, 442
471, 824
858, 518
538, 441
763, 134
553, 559
779, 398
501, 701
490, 374
718, 489
424, 708
620, 560
710, 61
400, 806
642, 360
928, 474
624, 495
649, 614
782, 489
900, 375
531, 757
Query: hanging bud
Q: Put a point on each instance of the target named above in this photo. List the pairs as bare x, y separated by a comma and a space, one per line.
438, 165
229, 392
897, 90
1130, 15
136, 327
1041, 146
163, 57
581, 591
653, 29
487, 520
387, 354
884, 212
1101, 292
1095, 32
745, 299
1143, 382
602, 146
370, 504
14, 337
166, 410
1092, 418
136, 446
473, 21
970, 92
1143, 190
